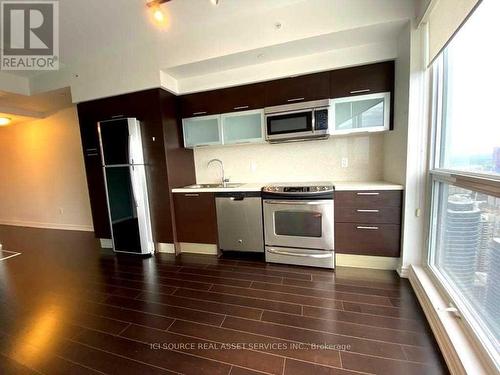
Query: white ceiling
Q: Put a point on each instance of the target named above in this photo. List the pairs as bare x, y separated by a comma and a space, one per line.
109, 47
318, 44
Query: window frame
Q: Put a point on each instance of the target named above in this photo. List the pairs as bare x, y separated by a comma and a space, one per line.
480, 182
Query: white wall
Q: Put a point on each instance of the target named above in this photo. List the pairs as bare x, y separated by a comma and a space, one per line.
42, 175
302, 161
395, 142
405, 148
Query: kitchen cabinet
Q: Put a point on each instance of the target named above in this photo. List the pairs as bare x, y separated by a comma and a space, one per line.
243, 98
360, 80
195, 217
243, 127
298, 89
201, 104
363, 113
368, 222
202, 131
362, 239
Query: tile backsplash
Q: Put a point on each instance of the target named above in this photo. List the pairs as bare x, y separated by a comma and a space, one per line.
298, 161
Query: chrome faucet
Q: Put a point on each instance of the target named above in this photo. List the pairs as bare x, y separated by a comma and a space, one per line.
223, 178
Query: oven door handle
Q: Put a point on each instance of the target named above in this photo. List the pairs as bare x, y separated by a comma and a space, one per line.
301, 255
297, 203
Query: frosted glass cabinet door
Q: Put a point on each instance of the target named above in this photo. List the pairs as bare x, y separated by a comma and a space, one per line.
201, 131
361, 113
243, 127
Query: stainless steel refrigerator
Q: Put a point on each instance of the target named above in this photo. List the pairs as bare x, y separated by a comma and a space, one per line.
126, 186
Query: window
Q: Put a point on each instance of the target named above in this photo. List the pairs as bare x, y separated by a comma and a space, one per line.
464, 246
471, 95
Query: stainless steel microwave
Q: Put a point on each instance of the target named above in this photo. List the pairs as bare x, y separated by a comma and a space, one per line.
298, 121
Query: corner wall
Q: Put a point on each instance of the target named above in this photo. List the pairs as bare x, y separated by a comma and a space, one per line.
410, 139
42, 176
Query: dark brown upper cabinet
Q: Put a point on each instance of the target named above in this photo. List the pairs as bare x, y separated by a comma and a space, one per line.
298, 89
243, 98
362, 80
201, 104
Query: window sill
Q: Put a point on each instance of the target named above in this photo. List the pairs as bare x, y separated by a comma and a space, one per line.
460, 352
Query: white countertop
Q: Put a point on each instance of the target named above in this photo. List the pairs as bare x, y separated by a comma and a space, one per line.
339, 186
244, 188
375, 185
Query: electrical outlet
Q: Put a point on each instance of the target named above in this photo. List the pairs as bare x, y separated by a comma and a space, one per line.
61, 211
345, 162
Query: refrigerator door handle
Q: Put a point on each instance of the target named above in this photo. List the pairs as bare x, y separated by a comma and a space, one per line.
133, 184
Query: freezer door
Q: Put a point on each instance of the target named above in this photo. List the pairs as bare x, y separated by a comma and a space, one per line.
120, 141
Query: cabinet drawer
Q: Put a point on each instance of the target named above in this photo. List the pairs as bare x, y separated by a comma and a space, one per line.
368, 199
380, 215
195, 217
368, 239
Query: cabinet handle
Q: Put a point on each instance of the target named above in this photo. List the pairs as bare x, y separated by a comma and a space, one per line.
369, 211
199, 113
241, 107
93, 154
359, 91
91, 149
192, 195
327, 254
367, 228
367, 193
295, 100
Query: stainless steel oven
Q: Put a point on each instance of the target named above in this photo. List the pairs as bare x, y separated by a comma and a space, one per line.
298, 224
298, 121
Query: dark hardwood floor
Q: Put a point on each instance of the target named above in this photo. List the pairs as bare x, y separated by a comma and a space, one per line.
68, 307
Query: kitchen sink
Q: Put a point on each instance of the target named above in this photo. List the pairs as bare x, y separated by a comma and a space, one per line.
212, 186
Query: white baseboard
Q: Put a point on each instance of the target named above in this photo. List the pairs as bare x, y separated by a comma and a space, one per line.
168, 248
36, 224
366, 261
198, 248
403, 272
106, 243
461, 354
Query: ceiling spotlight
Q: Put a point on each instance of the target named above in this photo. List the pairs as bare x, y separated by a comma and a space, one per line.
5, 121
214, 2
159, 16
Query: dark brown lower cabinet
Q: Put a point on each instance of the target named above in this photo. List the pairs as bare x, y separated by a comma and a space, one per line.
195, 217
368, 239
368, 223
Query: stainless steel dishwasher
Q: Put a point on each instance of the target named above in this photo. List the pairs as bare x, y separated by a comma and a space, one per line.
239, 221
